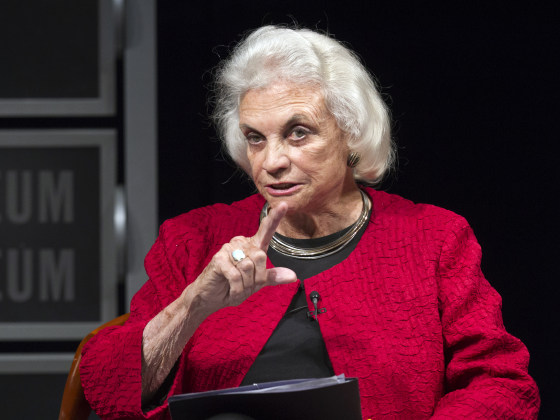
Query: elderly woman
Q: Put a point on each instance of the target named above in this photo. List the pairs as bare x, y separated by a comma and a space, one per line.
408, 311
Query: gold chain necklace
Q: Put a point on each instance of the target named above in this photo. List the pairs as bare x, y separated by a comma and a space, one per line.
324, 250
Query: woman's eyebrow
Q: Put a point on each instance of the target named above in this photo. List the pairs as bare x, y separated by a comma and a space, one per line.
246, 126
293, 120
296, 118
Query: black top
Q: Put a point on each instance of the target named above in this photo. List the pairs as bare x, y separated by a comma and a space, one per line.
296, 348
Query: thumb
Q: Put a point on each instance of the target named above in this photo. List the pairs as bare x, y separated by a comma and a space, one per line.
280, 275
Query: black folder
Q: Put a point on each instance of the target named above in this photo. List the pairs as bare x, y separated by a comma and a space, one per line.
308, 399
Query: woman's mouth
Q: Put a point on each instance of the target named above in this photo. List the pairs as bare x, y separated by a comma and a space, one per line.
283, 188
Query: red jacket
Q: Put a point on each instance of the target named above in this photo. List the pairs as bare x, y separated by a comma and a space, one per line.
409, 313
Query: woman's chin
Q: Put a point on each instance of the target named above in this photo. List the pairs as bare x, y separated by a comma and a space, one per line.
294, 206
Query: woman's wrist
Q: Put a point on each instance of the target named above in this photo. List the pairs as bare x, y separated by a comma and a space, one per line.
196, 307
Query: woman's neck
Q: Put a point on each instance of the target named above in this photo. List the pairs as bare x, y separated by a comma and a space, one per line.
326, 220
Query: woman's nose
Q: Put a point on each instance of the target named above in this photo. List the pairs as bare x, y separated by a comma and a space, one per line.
276, 158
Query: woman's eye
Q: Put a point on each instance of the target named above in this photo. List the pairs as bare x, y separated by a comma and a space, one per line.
253, 139
299, 133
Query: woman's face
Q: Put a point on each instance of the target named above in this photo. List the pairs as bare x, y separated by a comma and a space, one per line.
296, 151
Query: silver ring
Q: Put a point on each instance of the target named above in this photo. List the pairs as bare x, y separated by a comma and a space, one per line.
238, 255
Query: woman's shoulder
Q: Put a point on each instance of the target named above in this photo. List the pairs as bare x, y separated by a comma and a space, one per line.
392, 208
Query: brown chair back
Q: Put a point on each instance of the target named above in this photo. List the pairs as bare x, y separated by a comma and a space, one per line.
74, 404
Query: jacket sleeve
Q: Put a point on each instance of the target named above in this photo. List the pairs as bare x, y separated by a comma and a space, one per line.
486, 368
111, 363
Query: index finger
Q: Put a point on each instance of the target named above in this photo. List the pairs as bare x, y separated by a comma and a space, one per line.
268, 226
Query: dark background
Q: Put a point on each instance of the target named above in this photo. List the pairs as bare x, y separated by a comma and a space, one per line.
33, 67
474, 95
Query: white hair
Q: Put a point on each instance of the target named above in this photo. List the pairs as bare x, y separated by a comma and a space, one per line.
305, 57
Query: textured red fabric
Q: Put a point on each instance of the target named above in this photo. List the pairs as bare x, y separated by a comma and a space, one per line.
409, 313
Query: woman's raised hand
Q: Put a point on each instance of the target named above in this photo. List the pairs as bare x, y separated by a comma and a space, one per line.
224, 282
227, 282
